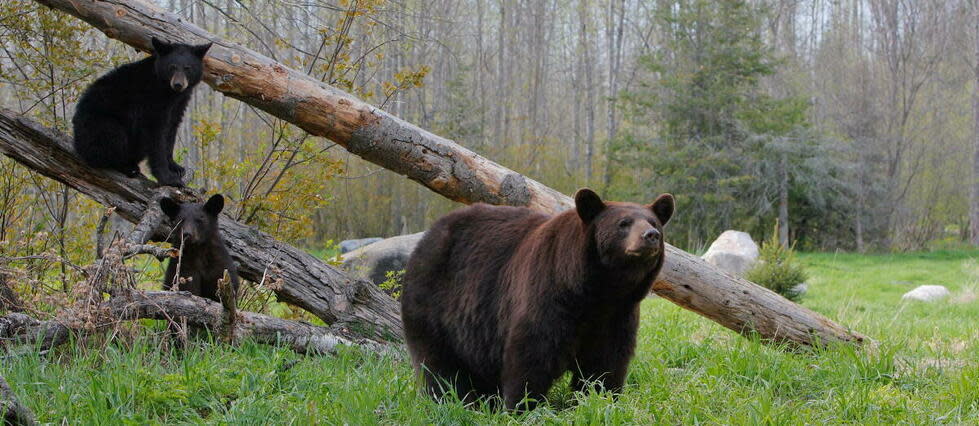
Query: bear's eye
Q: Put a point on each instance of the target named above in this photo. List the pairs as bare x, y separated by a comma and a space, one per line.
173, 67
186, 67
625, 223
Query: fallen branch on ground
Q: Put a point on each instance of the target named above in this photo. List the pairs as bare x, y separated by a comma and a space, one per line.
198, 312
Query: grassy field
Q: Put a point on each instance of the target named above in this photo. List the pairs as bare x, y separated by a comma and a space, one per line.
687, 370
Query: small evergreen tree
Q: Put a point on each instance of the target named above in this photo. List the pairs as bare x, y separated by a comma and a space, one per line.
777, 268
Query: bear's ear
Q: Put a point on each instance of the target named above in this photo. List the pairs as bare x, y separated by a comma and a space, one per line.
201, 50
160, 47
214, 205
663, 208
170, 208
588, 204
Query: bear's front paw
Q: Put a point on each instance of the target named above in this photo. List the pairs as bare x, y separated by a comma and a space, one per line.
175, 182
178, 169
132, 173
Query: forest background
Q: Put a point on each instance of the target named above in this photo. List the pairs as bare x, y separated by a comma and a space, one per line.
852, 124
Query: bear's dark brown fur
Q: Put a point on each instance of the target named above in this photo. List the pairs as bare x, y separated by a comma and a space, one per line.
504, 300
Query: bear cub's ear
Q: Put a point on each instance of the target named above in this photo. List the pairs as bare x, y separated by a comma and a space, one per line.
170, 207
588, 204
663, 208
160, 47
214, 205
201, 50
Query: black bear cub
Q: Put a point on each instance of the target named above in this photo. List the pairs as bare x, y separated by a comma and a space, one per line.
204, 257
132, 113
504, 300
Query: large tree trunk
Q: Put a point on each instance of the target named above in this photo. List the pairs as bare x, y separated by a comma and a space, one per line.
438, 163
295, 276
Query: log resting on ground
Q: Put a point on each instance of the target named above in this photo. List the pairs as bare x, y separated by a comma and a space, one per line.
440, 164
199, 312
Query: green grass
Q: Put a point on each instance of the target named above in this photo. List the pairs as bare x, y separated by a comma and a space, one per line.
925, 369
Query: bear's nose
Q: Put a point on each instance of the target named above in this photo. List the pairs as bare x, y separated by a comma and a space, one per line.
178, 87
651, 235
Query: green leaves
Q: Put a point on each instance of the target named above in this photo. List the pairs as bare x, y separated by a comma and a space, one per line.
777, 268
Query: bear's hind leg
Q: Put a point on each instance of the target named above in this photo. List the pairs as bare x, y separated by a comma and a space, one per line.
105, 144
439, 367
160, 159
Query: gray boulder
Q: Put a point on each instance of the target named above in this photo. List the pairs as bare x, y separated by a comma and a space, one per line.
733, 252
374, 261
927, 293
347, 246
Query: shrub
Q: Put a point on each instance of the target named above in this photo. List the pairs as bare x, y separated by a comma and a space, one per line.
392, 286
777, 268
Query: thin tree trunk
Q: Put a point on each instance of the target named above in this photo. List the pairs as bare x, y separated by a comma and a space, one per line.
500, 129
586, 52
783, 201
974, 211
615, 28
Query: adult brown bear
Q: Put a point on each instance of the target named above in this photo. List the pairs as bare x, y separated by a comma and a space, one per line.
504, 300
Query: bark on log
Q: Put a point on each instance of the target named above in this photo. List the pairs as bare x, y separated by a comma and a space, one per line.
299, 336
440, 164
9, 301
14, 413
306, 281
26, 329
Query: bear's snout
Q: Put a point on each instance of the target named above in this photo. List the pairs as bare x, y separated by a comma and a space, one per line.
644, 242
651, 236
179, 82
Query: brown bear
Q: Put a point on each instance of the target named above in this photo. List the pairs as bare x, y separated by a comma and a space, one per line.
504, 300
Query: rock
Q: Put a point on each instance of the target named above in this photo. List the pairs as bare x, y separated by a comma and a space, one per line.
733, 252
927, 293
347, 246
374, 261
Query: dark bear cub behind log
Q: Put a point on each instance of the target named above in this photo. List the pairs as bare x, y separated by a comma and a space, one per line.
204, 258
504, 300
132, 113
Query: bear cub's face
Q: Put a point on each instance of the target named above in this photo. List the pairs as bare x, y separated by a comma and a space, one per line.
180, 66
626, 234
195, 222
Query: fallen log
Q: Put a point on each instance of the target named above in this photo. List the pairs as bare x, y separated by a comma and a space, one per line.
440, 164
301, 279
14, 413
44, 334
179, 306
